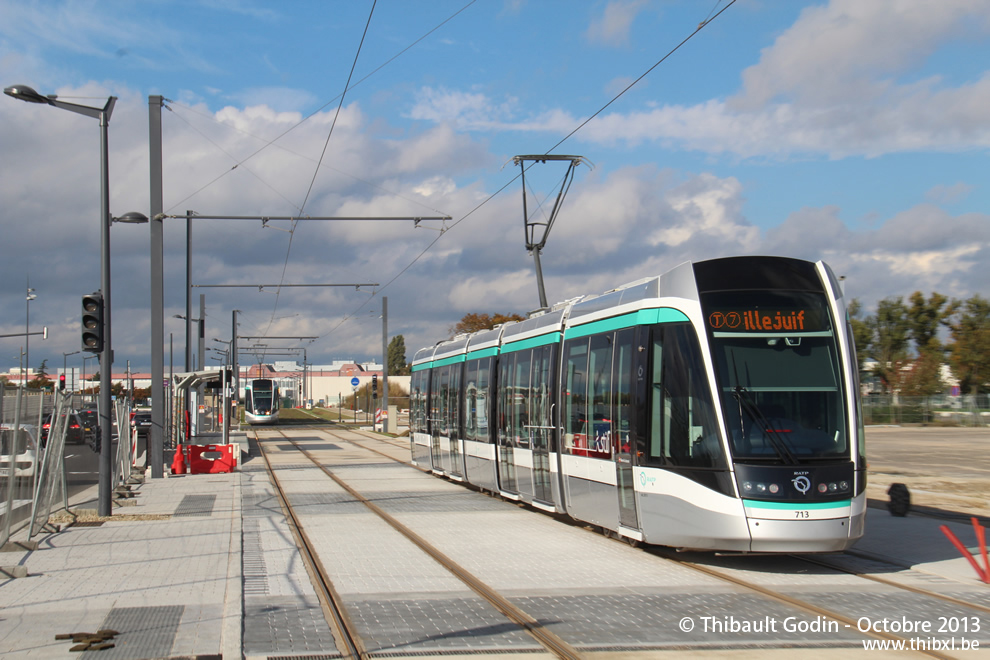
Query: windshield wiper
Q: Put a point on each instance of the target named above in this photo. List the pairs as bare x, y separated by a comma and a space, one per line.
778, 443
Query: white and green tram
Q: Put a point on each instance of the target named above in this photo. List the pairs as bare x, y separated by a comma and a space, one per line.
713, 407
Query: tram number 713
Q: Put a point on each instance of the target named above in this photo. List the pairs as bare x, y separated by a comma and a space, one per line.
802, 514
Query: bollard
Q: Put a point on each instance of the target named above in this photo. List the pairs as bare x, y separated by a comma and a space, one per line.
178, 462
900, 500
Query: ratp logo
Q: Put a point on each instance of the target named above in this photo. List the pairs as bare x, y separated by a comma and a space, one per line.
645, 479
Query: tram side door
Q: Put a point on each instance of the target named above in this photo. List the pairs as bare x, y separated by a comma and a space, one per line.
455, 460
436, 419
507, 395
542, 428
624, 378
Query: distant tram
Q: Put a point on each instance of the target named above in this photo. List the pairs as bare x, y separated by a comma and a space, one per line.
714, 407
261, 401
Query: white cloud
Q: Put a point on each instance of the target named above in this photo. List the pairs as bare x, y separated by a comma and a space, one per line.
612, 29
841, 81
614, 227
472, 110
948, 194
847, 50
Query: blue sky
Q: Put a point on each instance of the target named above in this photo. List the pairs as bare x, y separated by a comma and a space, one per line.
850, 131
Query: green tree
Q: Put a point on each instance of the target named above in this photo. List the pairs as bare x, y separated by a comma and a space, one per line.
474, 322
889, 342
924, 378
924, 319
970, 349
41, 380
397, 365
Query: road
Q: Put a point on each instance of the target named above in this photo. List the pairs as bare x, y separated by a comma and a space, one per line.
944, 467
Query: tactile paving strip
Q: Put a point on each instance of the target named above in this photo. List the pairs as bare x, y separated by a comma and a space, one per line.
196, 505
282, 615
144, 632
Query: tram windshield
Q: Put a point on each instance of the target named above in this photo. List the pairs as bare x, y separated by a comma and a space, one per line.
263, 397
777, 366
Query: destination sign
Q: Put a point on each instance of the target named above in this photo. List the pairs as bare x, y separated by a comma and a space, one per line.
766, 320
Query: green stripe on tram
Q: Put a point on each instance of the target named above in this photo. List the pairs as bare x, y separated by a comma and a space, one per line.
451, 360
793, 506
640, 317
532, 342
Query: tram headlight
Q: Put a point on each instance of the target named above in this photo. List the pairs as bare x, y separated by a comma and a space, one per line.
761, 488
774, 489
843, 485
747, 486
833, 487
823, 487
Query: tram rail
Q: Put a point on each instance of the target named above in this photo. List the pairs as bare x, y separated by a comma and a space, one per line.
340, 622
345, 634
530, 624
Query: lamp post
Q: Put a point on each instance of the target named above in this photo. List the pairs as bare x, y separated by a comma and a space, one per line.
25, 93
27, 331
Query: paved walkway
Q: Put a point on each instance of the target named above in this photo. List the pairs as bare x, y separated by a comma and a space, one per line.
171, 585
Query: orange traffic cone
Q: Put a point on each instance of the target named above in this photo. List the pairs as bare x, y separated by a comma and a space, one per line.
178, 462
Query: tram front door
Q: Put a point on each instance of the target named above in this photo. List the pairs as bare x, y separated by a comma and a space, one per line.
625, 362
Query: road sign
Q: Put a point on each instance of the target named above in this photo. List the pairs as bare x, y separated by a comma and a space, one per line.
355, 381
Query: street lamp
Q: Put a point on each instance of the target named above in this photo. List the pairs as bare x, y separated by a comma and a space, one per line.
25, 93
27, 331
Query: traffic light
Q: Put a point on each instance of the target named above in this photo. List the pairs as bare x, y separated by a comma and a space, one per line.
374, 385
61, 382
92, 322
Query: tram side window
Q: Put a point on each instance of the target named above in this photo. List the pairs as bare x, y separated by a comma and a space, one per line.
433, 401
576, 396
622, 383
505, 364
443, 401
454, 399
600, 368
683, 431
417, 402
471, 400
519, 406
482, 399
540, 394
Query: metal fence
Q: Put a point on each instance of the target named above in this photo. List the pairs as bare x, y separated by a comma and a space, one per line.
969, 410
32, 459
50, 492
32, 474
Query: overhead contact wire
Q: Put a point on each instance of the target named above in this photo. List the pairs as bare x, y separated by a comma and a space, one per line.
700, 26
316, 171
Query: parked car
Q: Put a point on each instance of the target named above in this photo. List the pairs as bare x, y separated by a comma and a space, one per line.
75, 434
22, 449
142, 422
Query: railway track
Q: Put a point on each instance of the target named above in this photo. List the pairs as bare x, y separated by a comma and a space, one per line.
710, 568
344, 629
